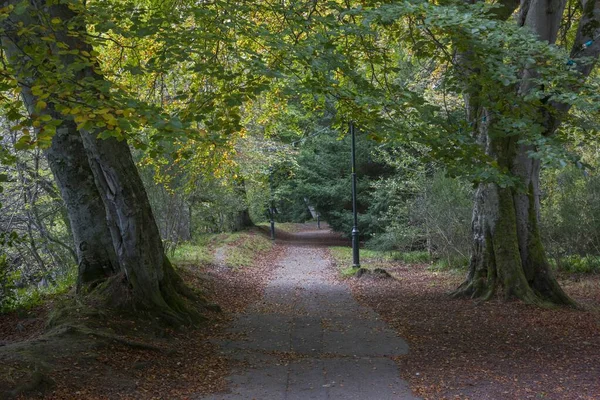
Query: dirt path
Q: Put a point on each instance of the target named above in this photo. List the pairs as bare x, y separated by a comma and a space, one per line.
309, 339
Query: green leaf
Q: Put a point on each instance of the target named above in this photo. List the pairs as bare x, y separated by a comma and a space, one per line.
21, 7
23, 143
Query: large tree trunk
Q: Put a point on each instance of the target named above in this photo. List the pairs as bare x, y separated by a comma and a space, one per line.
73, 175
507, 248
153, 281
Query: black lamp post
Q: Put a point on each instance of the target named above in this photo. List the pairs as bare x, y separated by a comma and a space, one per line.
355, 252
271, 206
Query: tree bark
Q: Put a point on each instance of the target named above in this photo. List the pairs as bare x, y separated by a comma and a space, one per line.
507, 246
153, 280
91, 234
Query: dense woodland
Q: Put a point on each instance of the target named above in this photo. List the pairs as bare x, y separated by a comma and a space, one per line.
129, 128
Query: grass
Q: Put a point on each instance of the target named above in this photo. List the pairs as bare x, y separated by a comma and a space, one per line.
576, 264
243, 251
290, 227
371, 259
412, 257
192, 254
368, 259
348, 272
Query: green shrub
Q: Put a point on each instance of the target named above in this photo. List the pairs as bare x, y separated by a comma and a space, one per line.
430, 214
578, 264
13, 298
192, 254
570, 222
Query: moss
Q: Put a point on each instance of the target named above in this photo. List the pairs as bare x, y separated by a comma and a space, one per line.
543, 281
507, 254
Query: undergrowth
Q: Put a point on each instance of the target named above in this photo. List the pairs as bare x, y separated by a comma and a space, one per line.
371, 259
576, 264
412, 257
192, 253
24, 298
449, 264
290, 227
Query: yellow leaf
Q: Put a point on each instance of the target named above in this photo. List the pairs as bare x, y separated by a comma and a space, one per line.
81, 119
56, 20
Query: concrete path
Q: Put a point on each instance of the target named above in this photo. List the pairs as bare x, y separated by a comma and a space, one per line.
309, 339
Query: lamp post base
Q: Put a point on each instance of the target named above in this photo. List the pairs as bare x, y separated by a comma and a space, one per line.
272, 230
355, 243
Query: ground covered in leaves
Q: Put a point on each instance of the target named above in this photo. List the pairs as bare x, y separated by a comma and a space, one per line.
140, 361
460, 349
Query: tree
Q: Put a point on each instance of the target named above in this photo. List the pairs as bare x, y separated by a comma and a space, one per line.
507, 247
57, 72
67, 159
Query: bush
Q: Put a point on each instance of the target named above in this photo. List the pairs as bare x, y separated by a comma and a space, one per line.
13, 297
430, 215
578, 264
570, 222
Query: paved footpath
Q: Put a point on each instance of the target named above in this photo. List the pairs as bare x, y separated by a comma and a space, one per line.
309, 339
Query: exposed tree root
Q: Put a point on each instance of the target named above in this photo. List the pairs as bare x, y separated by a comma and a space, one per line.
374, 273
83, 330
174, 304
73, 329
486, 292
